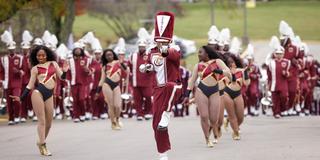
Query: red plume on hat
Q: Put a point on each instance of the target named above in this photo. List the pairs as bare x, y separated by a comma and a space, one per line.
164, 22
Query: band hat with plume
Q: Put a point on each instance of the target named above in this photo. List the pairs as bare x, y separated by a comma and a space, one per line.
26, 40
96, 46
50, 40
53, 42
38, 41
88, 38
235, 47
213, 35
120, 47
285, 30
249, 51
275, 45
77, 45
143, 37
46, 38
62, 51
7, 38
224, 37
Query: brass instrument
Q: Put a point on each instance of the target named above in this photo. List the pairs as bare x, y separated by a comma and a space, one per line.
3, 100
67, 98
266, 100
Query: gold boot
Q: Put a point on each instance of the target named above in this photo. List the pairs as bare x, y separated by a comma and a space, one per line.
236, 136
114, 126
209, 143
119, 123
43, 149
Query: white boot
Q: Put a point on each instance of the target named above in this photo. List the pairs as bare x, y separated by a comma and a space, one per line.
302, 104
245, 111
165, 119
256, 112
30, 113
298, 108
163, 156
252, 110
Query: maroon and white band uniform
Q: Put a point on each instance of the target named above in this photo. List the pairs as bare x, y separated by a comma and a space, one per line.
141, 83
167, 90
88, 105
291, 53
13, 75
26, 104
307, 82
79, 81
97, 105
278, 72
253, 88
58, 101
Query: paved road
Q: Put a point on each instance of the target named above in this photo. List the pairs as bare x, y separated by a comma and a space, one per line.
292, 138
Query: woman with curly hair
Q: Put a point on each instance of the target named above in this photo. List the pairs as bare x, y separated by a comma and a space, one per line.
109, 84
233, 99
44, 71
207, 95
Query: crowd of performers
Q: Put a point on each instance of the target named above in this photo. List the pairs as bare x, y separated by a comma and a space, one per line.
43, 82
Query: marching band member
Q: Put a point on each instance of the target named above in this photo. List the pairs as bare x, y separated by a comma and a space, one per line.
62, 55
13, 76
125, 86
97, 103
207, 95
278, 72
26, 106
253, 88
291, 53
310, 70
109, 84
165, 62
141, 82
44, 71
80, 71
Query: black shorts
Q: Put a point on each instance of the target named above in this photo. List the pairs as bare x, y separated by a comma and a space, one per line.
221, 92
208, 91
112, 84
233, 94
46, 93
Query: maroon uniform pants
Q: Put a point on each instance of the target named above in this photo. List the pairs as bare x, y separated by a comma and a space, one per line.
254, 95
279, 99
78, 95
292, 86
163, 100
142, 106
97, 105
13, 106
